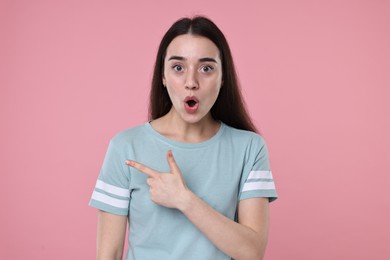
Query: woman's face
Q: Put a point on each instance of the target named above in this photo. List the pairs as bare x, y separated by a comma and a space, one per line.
192, 76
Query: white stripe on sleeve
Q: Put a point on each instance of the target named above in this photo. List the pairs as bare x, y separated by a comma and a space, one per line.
260, 175
124, 204
259, 185
112, 189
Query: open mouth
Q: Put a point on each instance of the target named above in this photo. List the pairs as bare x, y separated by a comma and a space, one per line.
191, 103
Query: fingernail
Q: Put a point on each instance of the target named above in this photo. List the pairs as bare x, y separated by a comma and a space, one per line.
128, 162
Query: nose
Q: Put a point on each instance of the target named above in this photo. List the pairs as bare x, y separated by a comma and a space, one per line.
191, 81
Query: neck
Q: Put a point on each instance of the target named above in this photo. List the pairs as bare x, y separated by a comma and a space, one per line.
173, 127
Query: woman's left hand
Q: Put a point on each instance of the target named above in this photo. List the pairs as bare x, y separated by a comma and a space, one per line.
166, 189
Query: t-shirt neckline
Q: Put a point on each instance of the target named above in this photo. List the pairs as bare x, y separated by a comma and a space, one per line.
174, 143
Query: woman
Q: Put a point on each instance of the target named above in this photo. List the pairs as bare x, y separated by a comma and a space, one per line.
194, 182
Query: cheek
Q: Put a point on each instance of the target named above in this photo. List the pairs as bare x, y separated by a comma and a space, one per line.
214, 86
173, 81
212, 95
174, 95
217, 90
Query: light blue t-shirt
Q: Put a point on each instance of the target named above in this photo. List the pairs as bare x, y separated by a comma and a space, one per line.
231, 166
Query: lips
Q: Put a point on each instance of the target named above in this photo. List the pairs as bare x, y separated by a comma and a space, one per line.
191, 104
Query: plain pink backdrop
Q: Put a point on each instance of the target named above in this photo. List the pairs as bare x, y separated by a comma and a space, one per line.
315, 75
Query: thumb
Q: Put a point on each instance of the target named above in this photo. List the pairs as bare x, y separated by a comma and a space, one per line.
172, 163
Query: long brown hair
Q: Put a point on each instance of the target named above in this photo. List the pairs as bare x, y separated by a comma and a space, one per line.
229, 106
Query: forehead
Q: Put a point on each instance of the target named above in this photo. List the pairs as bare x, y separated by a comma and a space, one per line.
192, 46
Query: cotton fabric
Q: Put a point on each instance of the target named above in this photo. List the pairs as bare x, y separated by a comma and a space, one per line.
231, 166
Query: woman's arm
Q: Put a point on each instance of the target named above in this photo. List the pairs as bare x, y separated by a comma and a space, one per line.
244, 240
111, 234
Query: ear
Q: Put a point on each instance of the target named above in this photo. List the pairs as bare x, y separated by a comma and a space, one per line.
163, 81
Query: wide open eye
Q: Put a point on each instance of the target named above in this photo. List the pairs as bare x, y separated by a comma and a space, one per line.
206, 68
177, 68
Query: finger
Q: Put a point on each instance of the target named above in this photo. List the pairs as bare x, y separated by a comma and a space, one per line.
149, 181
142, 168
172, 162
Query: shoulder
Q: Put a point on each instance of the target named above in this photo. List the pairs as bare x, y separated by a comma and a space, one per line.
127, 136
244, 137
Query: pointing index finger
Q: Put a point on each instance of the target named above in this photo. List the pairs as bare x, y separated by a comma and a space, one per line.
172, 162
142, 168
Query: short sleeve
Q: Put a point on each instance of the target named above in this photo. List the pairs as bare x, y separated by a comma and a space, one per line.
112, 193
257, 180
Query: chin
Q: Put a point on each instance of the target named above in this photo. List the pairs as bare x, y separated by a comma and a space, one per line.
194, 118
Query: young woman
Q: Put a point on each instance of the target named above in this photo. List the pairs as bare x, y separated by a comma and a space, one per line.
194, 182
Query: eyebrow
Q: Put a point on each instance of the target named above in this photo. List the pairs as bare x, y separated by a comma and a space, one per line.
201, 59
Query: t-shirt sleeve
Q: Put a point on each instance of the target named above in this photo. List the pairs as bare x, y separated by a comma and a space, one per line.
257, 180
112, 193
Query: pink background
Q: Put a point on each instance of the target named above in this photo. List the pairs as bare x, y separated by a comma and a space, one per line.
315, 75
